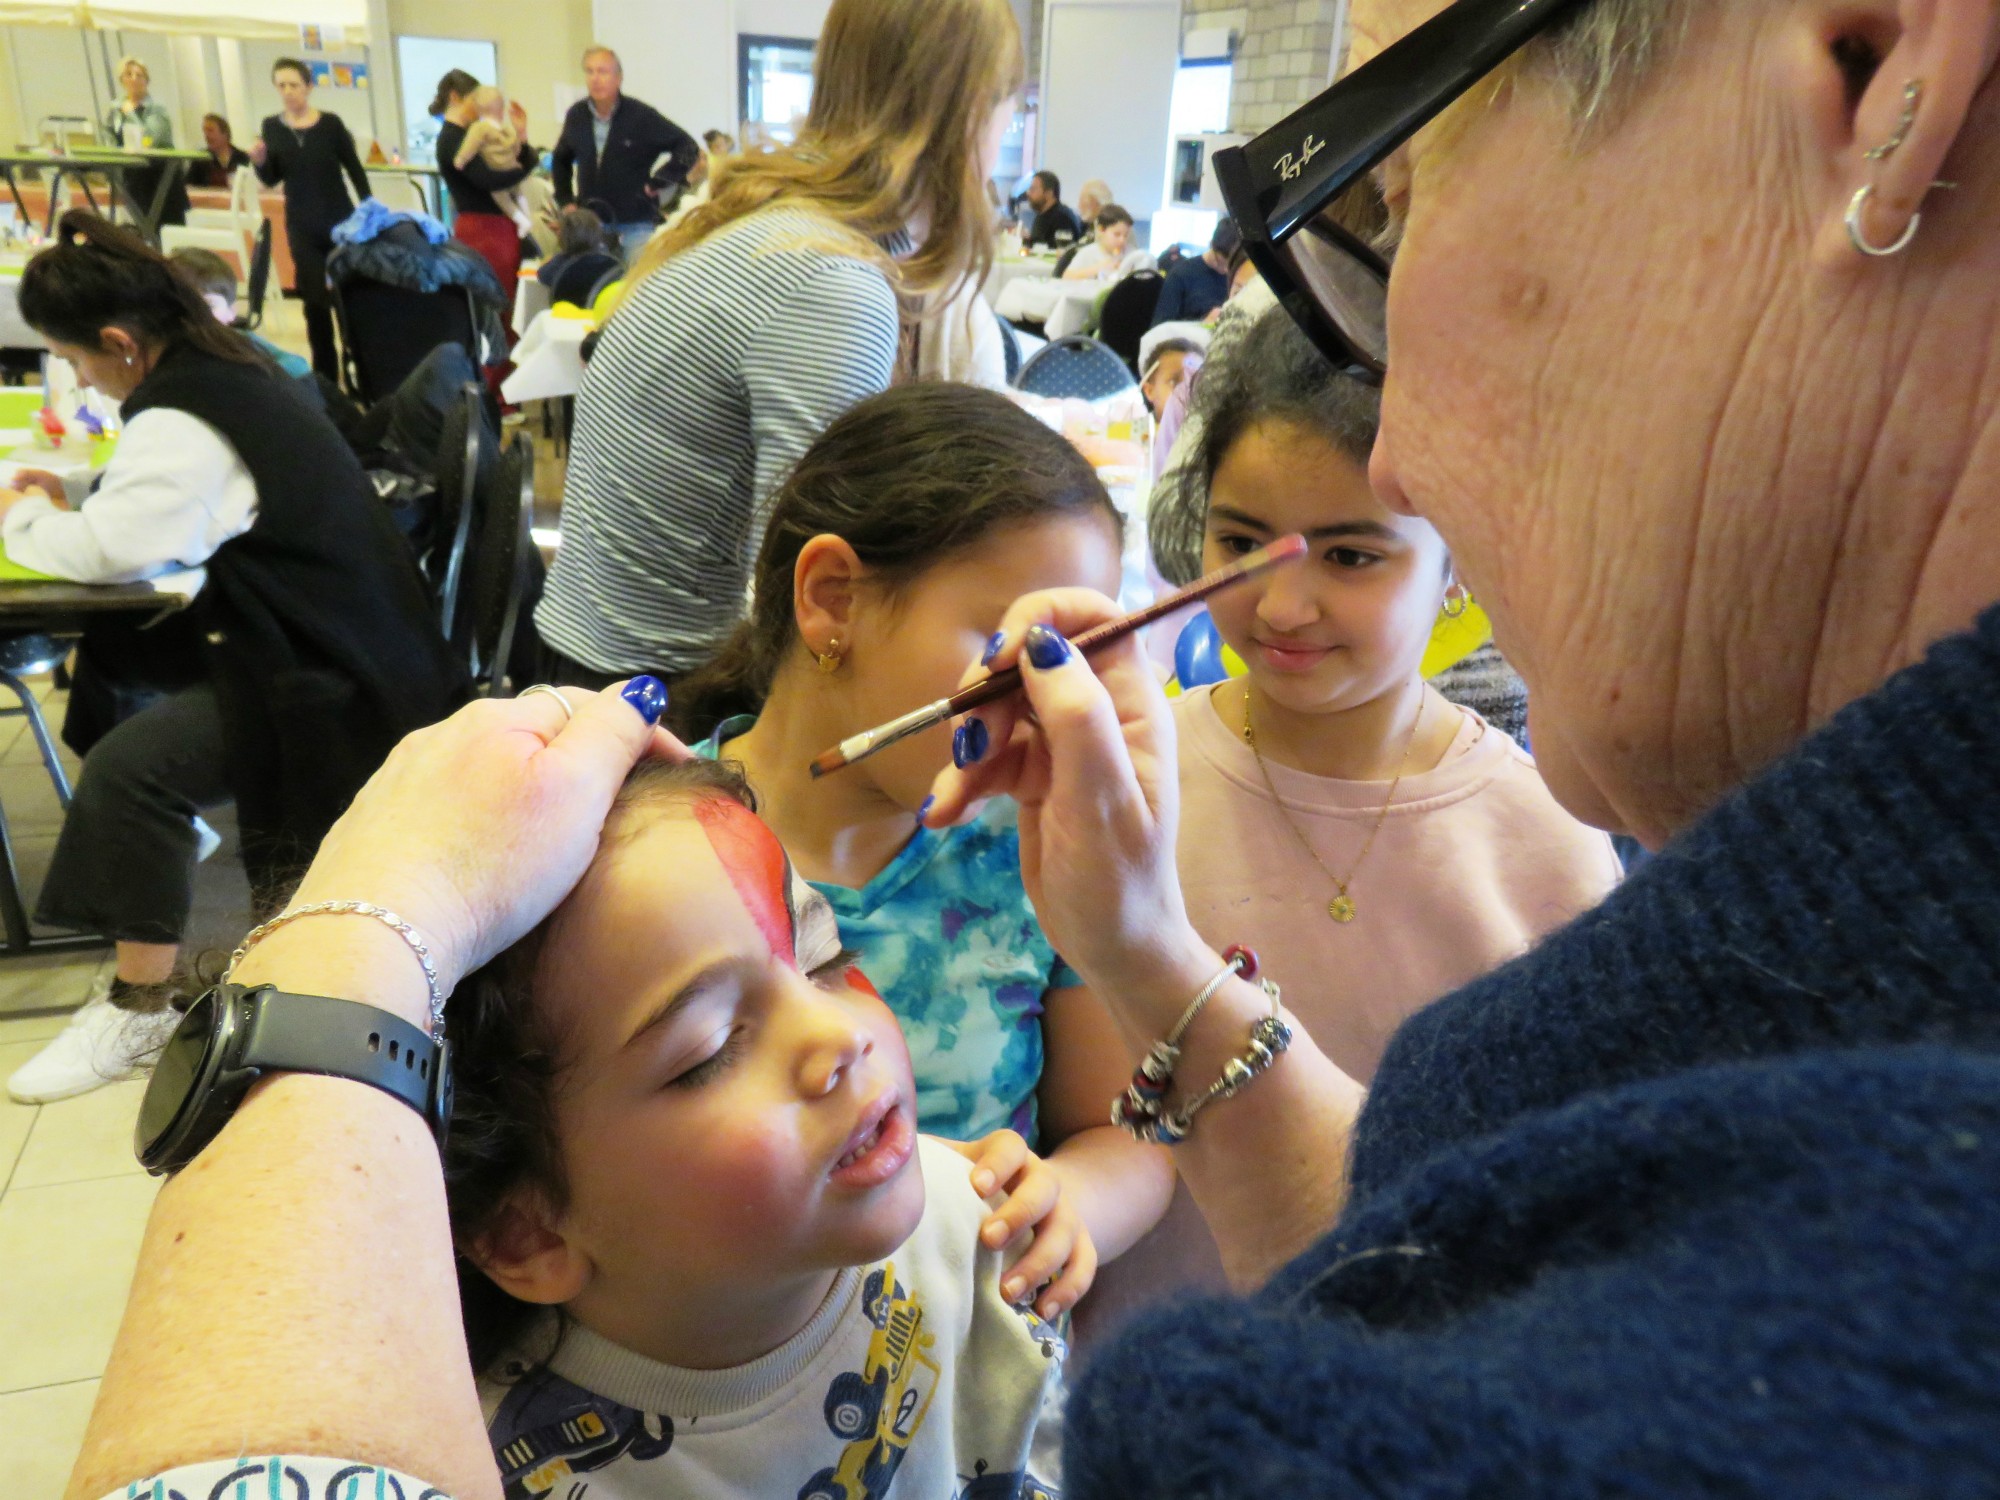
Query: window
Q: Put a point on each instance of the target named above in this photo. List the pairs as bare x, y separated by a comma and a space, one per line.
1201, 98
420, 62
774, 89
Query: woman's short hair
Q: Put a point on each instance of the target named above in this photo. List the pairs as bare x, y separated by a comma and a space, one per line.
129, 61
221, 124
457, 84
1111, 214
579, 231
294, 65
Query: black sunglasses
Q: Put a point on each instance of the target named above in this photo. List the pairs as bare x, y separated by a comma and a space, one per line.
1285, 188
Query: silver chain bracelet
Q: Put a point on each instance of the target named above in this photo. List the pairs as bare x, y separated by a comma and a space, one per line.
381, 914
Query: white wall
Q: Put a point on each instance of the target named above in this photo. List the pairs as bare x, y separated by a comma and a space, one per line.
1107, 93
682, 60
780, 17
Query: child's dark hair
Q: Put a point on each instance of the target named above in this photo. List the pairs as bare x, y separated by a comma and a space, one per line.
1112, 214
99, 276
1274, 374
908, 479
292, 65
579, 231
507, 1068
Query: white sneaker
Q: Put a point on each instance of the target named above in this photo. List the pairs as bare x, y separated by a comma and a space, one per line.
207, 841
102, 1044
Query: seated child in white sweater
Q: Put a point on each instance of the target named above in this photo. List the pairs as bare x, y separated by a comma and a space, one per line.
493, 138
702, 1250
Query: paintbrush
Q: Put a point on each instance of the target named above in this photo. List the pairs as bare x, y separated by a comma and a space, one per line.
1000, 684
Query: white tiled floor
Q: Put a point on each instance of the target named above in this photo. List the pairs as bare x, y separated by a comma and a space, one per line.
73, 1204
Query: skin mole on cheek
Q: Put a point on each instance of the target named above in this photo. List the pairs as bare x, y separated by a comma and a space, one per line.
1523, 294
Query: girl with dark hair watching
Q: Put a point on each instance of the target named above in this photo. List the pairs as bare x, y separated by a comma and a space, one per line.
892, 551
310, 152
310, 649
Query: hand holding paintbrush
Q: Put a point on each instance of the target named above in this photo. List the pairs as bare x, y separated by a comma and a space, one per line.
1000, 684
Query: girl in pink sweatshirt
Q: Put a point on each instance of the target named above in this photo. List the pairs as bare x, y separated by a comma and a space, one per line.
1375, 844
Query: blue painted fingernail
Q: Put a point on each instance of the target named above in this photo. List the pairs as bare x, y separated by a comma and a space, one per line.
968, 743
993, 648
1046, 647
924, 811
648, 695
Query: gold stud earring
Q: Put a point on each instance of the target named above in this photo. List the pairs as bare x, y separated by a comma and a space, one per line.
830, 659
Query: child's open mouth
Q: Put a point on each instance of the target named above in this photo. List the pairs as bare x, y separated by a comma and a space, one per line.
878, 1148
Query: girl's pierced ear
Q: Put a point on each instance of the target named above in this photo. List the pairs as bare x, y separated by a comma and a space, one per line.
830, 659
1457, 599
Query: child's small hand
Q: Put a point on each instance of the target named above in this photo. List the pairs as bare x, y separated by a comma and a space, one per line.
1062, 1254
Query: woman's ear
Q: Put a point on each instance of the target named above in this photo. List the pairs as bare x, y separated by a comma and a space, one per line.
1892, 87
117, 343
825, 582
527, 1256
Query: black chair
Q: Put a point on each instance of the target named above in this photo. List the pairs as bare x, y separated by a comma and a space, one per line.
26, 656
258, 283
499, 568
1061, 267
1127, 314
385, 331
1172, 256
605, 282
1078, 366
1011, 347
455, 471
580, 279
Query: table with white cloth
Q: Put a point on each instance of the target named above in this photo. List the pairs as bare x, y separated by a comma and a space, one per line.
1008, 269
548, 362
531, 297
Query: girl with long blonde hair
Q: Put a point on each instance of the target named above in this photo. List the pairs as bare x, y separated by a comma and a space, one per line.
761, 316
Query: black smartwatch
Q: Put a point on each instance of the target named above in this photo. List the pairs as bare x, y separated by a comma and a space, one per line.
233, 1036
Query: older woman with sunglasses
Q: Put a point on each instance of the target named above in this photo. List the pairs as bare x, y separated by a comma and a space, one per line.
1693, 362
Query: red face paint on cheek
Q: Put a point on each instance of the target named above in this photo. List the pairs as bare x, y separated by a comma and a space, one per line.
757, 867
856, 980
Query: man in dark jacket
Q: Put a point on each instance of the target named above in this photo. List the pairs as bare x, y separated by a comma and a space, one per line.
612, 146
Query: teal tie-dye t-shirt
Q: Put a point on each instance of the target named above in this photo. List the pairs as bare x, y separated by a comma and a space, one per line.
947, 934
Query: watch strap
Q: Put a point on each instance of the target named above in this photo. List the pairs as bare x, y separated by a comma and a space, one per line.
338, 1038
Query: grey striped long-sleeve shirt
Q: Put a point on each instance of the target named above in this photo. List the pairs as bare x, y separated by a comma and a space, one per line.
717, 373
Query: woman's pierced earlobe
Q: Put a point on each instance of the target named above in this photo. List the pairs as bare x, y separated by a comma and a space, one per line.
1912, 92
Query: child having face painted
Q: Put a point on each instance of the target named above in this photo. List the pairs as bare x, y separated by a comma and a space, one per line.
892, 551
703, 1250
1338, 815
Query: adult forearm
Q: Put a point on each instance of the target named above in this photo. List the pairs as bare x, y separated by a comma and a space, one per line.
295, 1291
1267, 1168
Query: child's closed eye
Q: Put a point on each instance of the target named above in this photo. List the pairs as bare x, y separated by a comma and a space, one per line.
832, 975
729, 1047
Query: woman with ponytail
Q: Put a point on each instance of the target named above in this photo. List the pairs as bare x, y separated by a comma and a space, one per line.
764, 314
309, 651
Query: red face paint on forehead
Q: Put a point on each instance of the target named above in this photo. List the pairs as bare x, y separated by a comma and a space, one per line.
757, 866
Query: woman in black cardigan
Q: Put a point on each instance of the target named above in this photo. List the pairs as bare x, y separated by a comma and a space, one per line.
310, 152
310, 649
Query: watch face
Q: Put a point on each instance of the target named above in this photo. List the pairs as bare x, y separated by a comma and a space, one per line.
175, 1072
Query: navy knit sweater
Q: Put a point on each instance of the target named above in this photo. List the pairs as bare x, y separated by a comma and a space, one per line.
1700, 1197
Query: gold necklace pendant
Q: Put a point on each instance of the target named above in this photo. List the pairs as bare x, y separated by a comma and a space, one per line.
1340, 908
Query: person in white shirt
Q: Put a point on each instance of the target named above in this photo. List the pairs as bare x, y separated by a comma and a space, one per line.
310, 648
702, 1250
1105, 257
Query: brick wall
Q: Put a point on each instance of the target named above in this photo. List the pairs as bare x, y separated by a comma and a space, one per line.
1281, 59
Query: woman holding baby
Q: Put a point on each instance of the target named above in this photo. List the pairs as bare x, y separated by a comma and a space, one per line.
483, 155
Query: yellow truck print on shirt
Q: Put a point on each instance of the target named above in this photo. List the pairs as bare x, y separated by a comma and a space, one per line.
878, 1410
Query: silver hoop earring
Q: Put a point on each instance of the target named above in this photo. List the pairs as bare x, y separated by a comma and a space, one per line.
1860, 241
1912, 92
